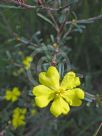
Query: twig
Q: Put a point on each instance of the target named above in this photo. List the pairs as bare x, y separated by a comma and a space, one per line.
56, 51
97, 131
68, 32
20, 39
86, 21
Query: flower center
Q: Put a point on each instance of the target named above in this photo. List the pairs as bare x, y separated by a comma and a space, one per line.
60, 92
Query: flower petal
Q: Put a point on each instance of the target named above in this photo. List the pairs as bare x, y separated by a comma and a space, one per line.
18, 121
8, 95
16, 91
42, 90
50, 78
59, 106
43, 101
74, 96
29, 58
14, 98
43, 95
80, 93
70, 81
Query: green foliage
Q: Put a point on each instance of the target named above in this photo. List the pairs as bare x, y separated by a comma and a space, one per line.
25, 32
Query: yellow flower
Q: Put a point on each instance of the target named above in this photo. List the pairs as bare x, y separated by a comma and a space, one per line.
20, 111
12, 95
18, 117
27, 62
63, 95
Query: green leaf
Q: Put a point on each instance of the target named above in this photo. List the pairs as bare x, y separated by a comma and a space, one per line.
45, 19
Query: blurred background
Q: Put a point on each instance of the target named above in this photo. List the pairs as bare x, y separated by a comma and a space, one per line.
19, 29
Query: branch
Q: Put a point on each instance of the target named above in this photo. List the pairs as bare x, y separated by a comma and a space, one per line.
22, 4
27, 6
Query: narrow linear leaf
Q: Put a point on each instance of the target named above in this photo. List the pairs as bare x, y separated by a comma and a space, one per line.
10, 7
45, 19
